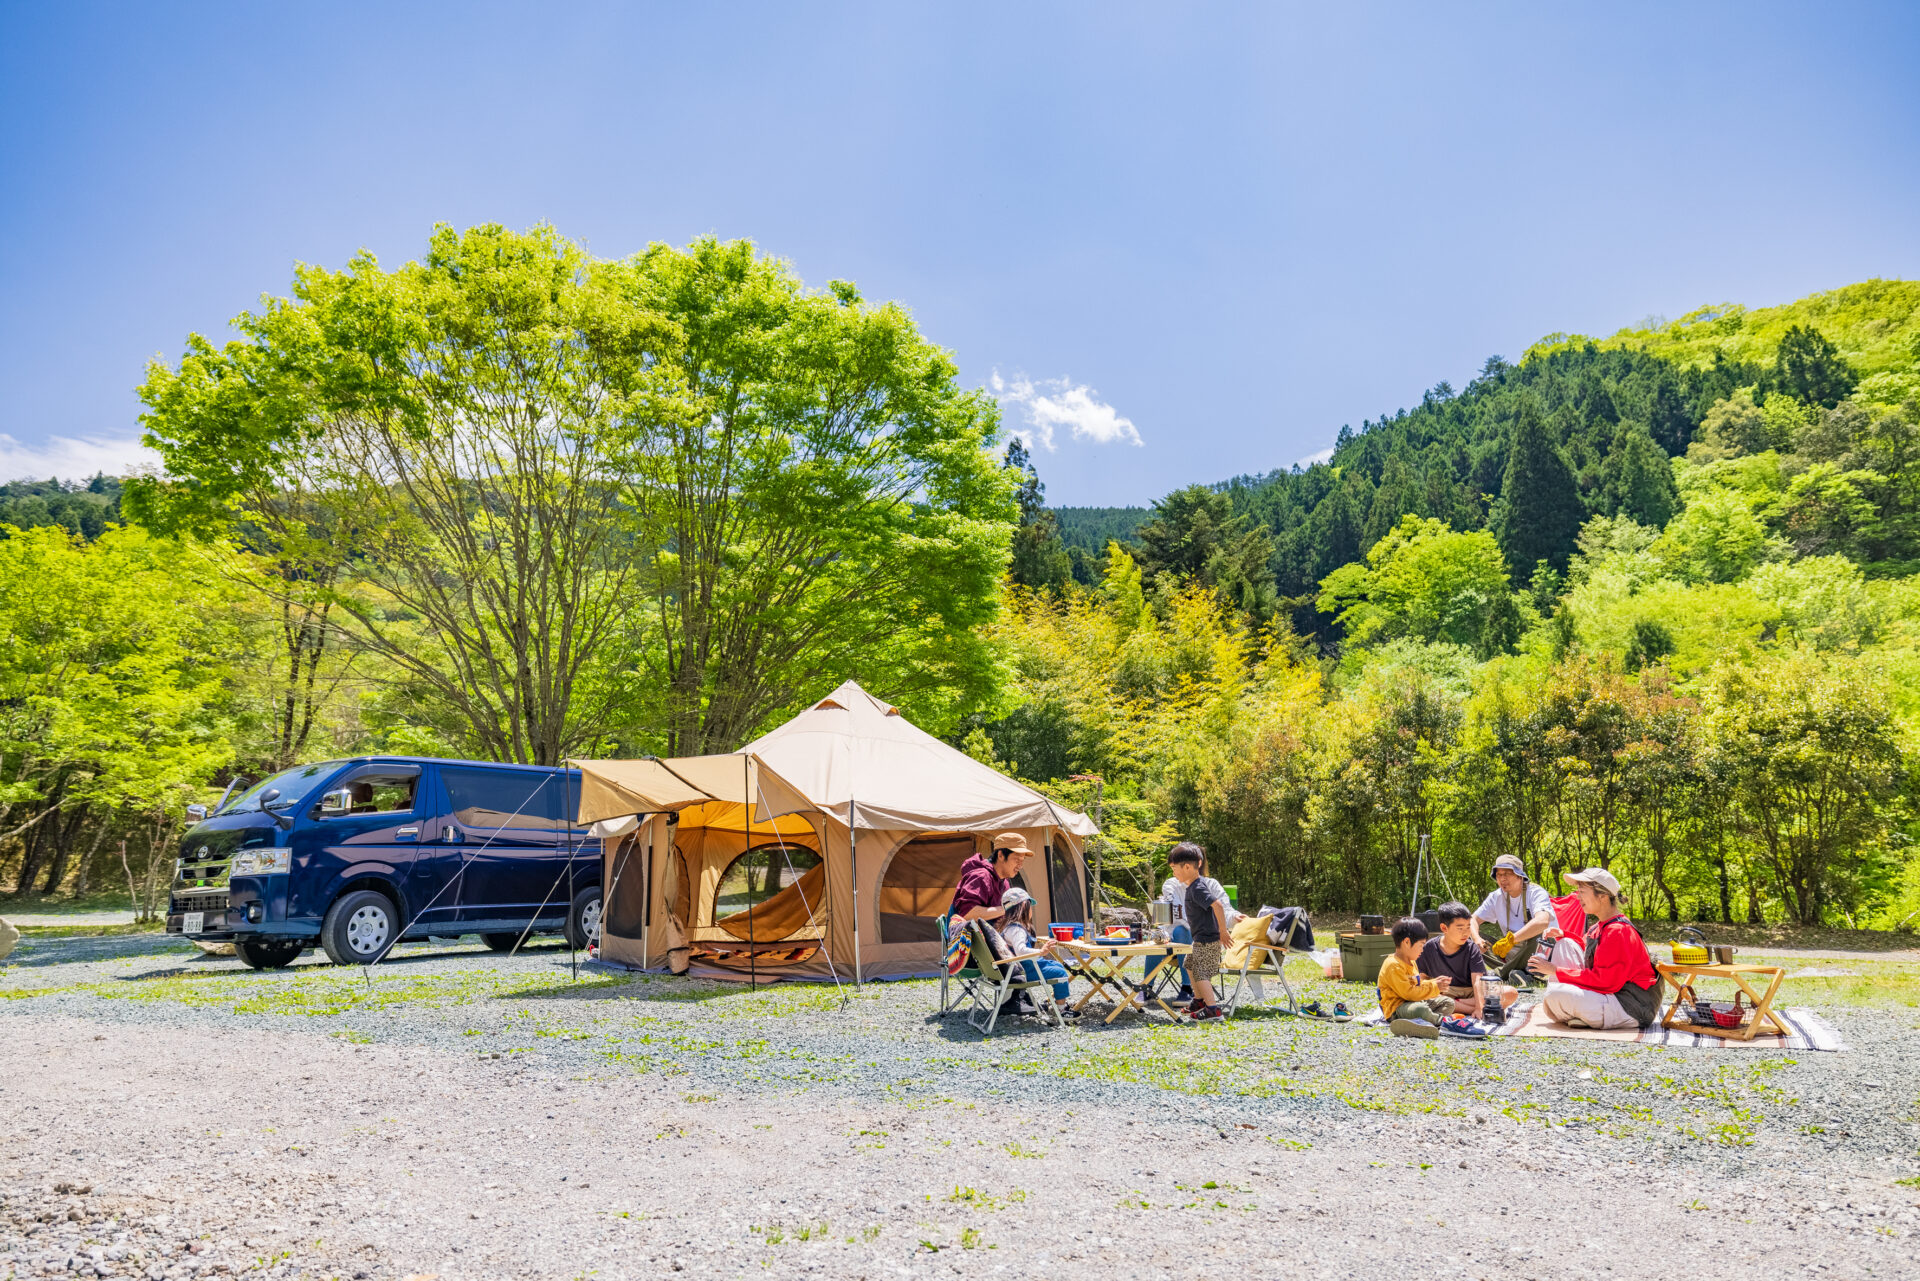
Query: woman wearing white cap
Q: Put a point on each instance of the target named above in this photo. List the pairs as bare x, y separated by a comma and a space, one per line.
1617, 987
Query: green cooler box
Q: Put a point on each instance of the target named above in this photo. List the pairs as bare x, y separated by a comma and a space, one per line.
1361, 955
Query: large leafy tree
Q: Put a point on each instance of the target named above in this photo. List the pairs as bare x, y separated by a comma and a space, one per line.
1540, 511
817, 500
566, 501
1428, 583
1810, 369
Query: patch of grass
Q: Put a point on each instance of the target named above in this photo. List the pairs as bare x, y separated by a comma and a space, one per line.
1021, 1151
316, 991
975, 1199
970, 1238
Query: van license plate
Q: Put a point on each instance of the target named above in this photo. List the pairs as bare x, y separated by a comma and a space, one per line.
193, 922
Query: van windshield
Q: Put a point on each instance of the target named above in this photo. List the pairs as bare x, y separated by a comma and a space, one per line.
293, 784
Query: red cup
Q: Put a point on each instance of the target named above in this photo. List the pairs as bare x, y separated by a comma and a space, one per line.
1062, 933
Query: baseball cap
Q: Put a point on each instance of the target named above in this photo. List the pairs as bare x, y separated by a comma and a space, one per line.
1014, 897
1511, 863
1011, 841
1598, 877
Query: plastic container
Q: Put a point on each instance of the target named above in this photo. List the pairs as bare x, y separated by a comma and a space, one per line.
1361, 956
1061, 933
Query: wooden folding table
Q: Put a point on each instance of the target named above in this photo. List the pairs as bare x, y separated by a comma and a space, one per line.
1100, 962
1761, 1018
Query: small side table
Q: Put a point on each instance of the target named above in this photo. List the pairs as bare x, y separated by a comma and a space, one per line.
1683, 976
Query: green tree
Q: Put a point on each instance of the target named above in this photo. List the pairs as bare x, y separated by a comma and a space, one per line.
1194, 533
1540, 510
1638, 479
1814, 752
657, 500
1809, 368
1426, 582
1040, 558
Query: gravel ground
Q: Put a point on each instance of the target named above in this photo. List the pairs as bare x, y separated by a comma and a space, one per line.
471, 1116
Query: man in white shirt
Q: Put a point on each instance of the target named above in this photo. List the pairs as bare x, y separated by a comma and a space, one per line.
1519, 910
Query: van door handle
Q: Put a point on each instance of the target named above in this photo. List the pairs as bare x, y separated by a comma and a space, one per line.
450, 834
407, 834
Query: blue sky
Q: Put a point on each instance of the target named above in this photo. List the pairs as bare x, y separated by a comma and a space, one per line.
1188, 241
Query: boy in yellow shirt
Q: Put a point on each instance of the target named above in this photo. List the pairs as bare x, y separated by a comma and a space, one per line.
1414, 1006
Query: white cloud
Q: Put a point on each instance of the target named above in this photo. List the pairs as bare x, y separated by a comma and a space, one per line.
73, 458
1053, 403
1319, 456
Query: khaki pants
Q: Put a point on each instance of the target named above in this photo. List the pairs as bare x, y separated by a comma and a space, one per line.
1431, 1010
1578, 1007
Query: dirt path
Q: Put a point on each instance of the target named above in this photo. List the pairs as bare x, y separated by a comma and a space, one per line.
383, 1161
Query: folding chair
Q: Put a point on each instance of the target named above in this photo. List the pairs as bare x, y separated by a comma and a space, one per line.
1249, 976
1297, 929
983, 1020
969, 981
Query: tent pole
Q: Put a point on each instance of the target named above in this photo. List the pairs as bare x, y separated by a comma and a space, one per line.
753, 953
853, 869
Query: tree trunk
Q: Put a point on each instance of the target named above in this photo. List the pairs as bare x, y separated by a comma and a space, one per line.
133, 892
86, 864
63, 844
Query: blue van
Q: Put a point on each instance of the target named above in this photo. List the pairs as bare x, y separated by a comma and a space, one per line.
355, 855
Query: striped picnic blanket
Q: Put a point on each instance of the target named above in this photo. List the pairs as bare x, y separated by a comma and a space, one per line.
1810, 1032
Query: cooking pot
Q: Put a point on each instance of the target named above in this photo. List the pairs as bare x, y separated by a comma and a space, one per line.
1161, 912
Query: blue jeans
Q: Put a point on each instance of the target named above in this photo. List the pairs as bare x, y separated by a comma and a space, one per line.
1052, 971
1181, 934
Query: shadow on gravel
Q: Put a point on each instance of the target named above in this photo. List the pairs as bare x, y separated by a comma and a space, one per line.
43, 952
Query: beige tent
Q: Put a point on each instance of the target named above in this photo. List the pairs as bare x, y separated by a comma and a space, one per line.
830, 846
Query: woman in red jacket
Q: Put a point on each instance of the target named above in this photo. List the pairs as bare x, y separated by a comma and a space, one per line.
1617, 986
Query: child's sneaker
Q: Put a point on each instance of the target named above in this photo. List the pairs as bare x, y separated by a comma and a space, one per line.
1461, 1025
1186, 994
1206, 1012
1414, 1027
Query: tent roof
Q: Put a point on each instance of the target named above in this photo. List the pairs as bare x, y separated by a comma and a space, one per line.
849, 755
860, 760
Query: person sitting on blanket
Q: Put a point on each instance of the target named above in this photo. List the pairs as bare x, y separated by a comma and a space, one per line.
1207, 918
1616, 986
984, 881
1455, 957
1513, 918
1016, 927
1414, 1006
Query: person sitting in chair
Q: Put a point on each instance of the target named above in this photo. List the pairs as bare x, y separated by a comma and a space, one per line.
985, 879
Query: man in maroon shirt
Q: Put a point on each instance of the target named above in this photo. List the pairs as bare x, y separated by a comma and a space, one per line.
984, 879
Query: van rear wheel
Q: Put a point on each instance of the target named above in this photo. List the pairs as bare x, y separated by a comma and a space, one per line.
583, 922
360, 928
500, 942
263, 955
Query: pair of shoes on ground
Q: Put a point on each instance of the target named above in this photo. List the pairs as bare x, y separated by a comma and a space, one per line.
1339, 1013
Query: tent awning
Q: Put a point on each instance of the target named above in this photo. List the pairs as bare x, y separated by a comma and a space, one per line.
651, 785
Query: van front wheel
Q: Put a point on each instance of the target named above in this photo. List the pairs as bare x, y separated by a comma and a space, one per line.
360, 928
267, 956
583, 922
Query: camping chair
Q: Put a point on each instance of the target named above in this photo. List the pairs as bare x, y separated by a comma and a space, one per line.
983, 1018
970, 983
1288, 928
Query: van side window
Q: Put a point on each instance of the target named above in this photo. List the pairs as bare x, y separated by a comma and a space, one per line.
372, 789
504, 798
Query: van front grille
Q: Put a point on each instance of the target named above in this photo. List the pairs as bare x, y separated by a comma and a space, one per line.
198, 903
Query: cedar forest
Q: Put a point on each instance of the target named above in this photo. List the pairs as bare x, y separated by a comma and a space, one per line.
1650, 602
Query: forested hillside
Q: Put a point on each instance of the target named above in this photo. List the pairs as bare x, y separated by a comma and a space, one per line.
1643, 601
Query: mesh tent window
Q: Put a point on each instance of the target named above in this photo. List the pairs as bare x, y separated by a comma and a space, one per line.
917, 887
1065, 889
756, 875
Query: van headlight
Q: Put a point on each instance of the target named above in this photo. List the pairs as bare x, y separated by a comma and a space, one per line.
261, 862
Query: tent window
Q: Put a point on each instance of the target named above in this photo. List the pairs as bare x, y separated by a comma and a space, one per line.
918, 886
759, 874
627, 905
1069, 904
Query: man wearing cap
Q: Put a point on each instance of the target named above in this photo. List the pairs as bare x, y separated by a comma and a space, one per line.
984, 878
1519, 911
1617, 986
